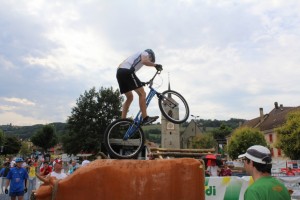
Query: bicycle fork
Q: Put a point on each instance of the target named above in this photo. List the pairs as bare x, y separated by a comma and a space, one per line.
167, 100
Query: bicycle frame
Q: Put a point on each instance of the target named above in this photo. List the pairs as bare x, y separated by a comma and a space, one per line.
139, 119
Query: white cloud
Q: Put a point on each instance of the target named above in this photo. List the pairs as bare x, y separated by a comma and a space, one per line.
25, 102
7, 108
6, 64
226, 57
17, 119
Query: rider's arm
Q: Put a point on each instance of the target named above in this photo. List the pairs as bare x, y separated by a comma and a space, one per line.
146, 61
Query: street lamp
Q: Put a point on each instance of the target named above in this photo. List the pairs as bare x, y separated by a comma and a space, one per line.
195, 118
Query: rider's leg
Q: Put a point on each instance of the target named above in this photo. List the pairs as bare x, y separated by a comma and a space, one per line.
126, 105
142, 101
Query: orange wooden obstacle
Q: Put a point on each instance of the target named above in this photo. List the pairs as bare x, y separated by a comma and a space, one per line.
170, 179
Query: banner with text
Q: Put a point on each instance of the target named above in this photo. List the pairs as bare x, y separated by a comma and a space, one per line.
226, 188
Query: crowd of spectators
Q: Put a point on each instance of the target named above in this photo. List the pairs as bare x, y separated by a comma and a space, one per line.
31, 170
212, 169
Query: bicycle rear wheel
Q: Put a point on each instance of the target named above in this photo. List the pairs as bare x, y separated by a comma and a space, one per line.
121, 148
173, 106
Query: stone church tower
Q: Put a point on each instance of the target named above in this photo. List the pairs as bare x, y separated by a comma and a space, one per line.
170, 133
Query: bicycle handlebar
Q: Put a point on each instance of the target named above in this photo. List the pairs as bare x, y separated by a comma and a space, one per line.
150, 82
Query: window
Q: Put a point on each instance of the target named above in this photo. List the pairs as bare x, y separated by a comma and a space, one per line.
271, 137
272, 152
279, 152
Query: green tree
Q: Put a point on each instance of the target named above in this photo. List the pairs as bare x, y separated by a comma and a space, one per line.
25, 150
45, 138
289, 136
204, 141
90, 117
223, 131
12, 145
153, 135
242, 138
2, 140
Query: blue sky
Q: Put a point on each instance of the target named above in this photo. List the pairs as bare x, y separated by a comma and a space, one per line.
227, 58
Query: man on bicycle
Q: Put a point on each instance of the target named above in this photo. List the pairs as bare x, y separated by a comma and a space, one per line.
128, 81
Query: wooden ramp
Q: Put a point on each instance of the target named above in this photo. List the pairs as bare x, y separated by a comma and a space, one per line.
163, 153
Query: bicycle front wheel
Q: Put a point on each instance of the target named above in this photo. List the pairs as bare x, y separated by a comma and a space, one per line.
173, 106
119, 147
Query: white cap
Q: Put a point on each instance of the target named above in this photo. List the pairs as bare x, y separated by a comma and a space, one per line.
259, 154
85, 162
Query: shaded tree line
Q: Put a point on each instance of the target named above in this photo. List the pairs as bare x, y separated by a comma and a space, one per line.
9, 144
25, 132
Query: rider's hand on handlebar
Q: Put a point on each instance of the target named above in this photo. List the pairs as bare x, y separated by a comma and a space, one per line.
158, 67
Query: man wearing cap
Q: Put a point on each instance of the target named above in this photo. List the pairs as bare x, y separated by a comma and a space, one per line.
57, 173
258, 164
16, 179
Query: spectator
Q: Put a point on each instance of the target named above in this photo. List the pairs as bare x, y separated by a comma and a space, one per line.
225, 171
57, 173
73, 167
12, 163
24, 164
85, 162
258, 164
212, 168
35, 163
47, 157
17, 180
31, 170
6, 168
46, 169
290, 172
207, 173
52, 161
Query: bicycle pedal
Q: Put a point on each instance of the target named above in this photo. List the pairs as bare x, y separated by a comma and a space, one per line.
149, 120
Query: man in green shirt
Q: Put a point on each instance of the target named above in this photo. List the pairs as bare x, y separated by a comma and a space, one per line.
258, 164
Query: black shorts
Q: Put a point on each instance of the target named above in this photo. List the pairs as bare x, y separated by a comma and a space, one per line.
127, 80
16, 194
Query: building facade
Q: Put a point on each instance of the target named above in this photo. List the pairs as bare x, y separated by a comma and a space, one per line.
170, 133
267, 123
191, 131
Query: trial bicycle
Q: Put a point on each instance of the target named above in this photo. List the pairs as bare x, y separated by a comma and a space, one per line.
124, 138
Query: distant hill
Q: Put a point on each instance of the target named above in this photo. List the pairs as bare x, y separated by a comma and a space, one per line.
25, 132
